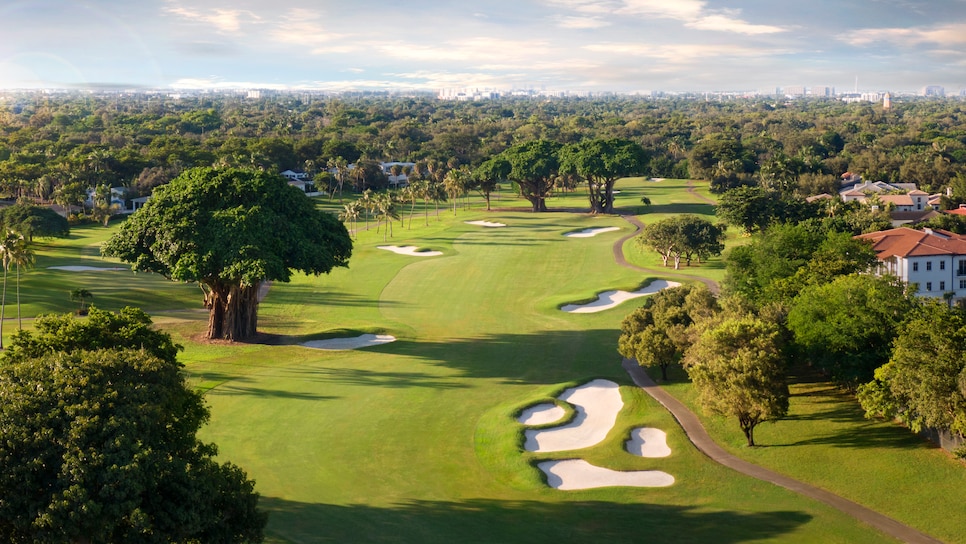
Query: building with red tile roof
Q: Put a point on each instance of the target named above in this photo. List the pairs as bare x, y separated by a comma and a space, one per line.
933, 259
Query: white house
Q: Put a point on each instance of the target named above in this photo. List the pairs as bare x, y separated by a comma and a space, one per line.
934, 260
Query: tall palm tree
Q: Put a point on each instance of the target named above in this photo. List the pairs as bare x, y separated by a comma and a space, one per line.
367, 202
386, 206
5, 244
455, 182
21, 254
351, 213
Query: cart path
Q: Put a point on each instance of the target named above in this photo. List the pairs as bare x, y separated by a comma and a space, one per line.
701, 440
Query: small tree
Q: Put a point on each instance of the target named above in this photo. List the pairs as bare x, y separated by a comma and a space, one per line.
82, 297
737, 369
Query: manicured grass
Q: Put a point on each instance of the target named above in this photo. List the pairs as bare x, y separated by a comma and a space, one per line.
826, 441
415, 441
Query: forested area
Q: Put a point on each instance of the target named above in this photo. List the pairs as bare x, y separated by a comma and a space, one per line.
53, 147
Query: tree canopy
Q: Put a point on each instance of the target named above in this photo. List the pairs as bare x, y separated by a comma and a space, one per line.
737, 369
602, 161
683, 237
533, 166
34, 221
98, 441
924, 383
230, 230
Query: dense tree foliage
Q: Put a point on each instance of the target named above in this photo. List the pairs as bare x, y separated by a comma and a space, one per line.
683, 237
231, 230
658, 333
737, 368
58, 145
601, 162
846, 327
97, 441
33, 221
924, 383
533, 167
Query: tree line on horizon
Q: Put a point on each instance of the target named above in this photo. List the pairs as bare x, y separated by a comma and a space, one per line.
53, 148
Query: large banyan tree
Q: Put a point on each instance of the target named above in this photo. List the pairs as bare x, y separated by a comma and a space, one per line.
231, 230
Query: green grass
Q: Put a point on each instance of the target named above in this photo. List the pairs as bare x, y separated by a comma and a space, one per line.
416, 441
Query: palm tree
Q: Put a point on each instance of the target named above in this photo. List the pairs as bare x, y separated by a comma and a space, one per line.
366, 201
386, 206
81, 296
20, 253
455, 182
5, 247
351, 213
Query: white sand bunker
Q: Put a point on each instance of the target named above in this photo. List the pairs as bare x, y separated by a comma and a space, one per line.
610, 299
363, 341
572, 474
411, 250
588, 233
485, 224
89, 268
648, 442
541, 414
596, 405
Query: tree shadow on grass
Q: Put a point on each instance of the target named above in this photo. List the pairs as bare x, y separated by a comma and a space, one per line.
491, 521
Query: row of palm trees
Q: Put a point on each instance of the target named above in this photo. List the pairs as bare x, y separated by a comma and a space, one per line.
15, 251
384, 206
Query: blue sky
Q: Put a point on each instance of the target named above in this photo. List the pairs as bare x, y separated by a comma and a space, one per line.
602, 45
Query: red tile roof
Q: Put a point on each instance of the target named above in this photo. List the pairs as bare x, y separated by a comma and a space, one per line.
905, 242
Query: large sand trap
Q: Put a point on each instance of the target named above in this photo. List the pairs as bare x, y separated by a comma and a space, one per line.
411, 250
363, 341
648, 442
485, 224
89, 268
571, 474
541, 414
596, 404
610, 299
588, 233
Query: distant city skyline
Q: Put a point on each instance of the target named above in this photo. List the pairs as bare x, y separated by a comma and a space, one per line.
577, 45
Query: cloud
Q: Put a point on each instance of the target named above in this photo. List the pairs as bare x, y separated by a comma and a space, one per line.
946, 35
226, 21
723, 23
684, 10
581, 22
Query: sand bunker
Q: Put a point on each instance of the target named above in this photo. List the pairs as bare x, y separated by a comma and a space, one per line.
588, 233
485, 224
648, 442
610, 299
596, 405
572, 474
363, 341
541, 414
89, 268
411, 250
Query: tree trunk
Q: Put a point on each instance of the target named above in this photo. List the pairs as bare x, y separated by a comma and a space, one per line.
3, 304
748, 427
232, 312
608, 204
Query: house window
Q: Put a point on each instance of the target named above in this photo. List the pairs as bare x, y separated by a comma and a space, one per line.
928, 265
962, 269
928, 286
942, 286
962, 284
942, 265
915, 267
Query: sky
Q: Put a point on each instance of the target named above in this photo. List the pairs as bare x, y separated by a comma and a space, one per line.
577, 45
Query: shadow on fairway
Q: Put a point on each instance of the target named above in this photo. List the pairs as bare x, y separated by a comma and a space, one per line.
489, 521
545, 357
